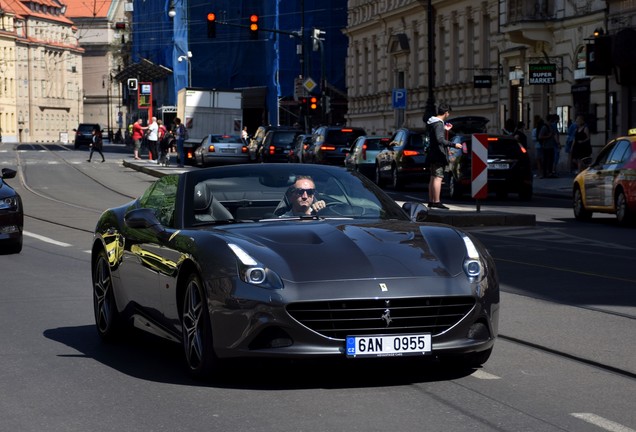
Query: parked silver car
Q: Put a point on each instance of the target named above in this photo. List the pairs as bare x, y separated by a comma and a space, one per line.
221, 149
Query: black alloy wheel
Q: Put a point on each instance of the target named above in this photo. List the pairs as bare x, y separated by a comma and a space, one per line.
107, 318
196, 330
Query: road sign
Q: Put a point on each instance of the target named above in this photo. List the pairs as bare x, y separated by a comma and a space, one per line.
399, 98
479, 169
309, 85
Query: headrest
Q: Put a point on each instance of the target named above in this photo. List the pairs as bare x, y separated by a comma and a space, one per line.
202, 197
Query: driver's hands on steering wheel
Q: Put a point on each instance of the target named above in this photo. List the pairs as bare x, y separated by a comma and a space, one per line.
318, 205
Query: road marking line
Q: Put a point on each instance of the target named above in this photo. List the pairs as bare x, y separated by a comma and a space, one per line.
484, 375
46, 239
602, 422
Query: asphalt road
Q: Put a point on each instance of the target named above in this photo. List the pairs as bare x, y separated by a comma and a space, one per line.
565, 360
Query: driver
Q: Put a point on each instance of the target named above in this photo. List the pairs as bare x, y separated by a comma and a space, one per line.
301, 196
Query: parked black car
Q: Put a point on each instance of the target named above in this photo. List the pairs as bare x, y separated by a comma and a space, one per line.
84, 134
509, 167
11, 215
329, 144
402, 161
277, 145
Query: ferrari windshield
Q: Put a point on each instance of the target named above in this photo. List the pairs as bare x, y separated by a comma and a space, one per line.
266, 192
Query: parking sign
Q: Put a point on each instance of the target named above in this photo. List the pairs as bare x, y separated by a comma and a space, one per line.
399, 98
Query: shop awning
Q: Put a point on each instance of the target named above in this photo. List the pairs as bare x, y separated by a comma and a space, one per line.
145, 71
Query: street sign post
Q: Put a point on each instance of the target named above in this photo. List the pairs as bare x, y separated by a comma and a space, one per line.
479, 168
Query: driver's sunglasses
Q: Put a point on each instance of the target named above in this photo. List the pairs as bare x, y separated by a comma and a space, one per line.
300, 192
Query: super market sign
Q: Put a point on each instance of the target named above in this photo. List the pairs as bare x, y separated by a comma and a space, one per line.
542, 73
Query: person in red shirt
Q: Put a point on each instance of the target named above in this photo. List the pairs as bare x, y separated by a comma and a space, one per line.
137, 135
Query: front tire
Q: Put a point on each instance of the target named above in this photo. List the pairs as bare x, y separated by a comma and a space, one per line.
107, 318
623, 215
197, 331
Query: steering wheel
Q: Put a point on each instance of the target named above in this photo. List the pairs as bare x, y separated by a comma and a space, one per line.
337, 208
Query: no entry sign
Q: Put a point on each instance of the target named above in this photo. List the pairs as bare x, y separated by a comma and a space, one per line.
479, 169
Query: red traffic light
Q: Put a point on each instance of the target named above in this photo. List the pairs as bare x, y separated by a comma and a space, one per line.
211, 16
254, 26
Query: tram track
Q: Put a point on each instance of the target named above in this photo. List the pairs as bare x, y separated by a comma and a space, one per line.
20, 168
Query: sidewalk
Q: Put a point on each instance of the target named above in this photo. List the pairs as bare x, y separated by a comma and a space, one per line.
460, 216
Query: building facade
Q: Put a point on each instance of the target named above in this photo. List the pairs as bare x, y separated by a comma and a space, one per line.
103, 32
501, 59
41, 77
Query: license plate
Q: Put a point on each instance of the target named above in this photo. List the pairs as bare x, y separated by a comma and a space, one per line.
498, 166
228, 150
388, 345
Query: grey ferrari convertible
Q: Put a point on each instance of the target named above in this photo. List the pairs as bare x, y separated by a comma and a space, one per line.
291, 261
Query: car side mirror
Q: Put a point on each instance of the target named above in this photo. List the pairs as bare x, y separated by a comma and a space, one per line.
417, 212
8, 173
141, 218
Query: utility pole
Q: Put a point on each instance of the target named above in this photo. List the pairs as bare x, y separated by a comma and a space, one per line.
430, 102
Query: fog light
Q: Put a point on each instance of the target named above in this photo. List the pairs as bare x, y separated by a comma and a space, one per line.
478, 331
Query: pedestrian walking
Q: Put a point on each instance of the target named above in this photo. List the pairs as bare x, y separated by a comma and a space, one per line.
437, 158
582, 146
181, 135
152, 139
96, 145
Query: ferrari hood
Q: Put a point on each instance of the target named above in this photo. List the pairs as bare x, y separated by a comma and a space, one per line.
306, 251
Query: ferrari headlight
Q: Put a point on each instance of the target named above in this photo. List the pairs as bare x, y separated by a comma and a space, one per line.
472, 264
253, 272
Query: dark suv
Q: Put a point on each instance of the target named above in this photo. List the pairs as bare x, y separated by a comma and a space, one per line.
278, 144
509, 168
402, 161
84, 134
329, 144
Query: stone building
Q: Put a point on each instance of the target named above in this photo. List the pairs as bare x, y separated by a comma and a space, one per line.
501, 59
103, 32
41, 64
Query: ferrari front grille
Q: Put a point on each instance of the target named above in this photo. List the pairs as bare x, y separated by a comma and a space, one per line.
340, 318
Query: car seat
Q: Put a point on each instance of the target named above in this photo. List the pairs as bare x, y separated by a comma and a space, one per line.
206, 207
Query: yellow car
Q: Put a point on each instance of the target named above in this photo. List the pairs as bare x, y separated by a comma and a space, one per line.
608, 185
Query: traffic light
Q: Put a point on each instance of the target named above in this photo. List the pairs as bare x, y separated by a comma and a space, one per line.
303, 101
211, 25
313, 104
598, 54
253, 26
